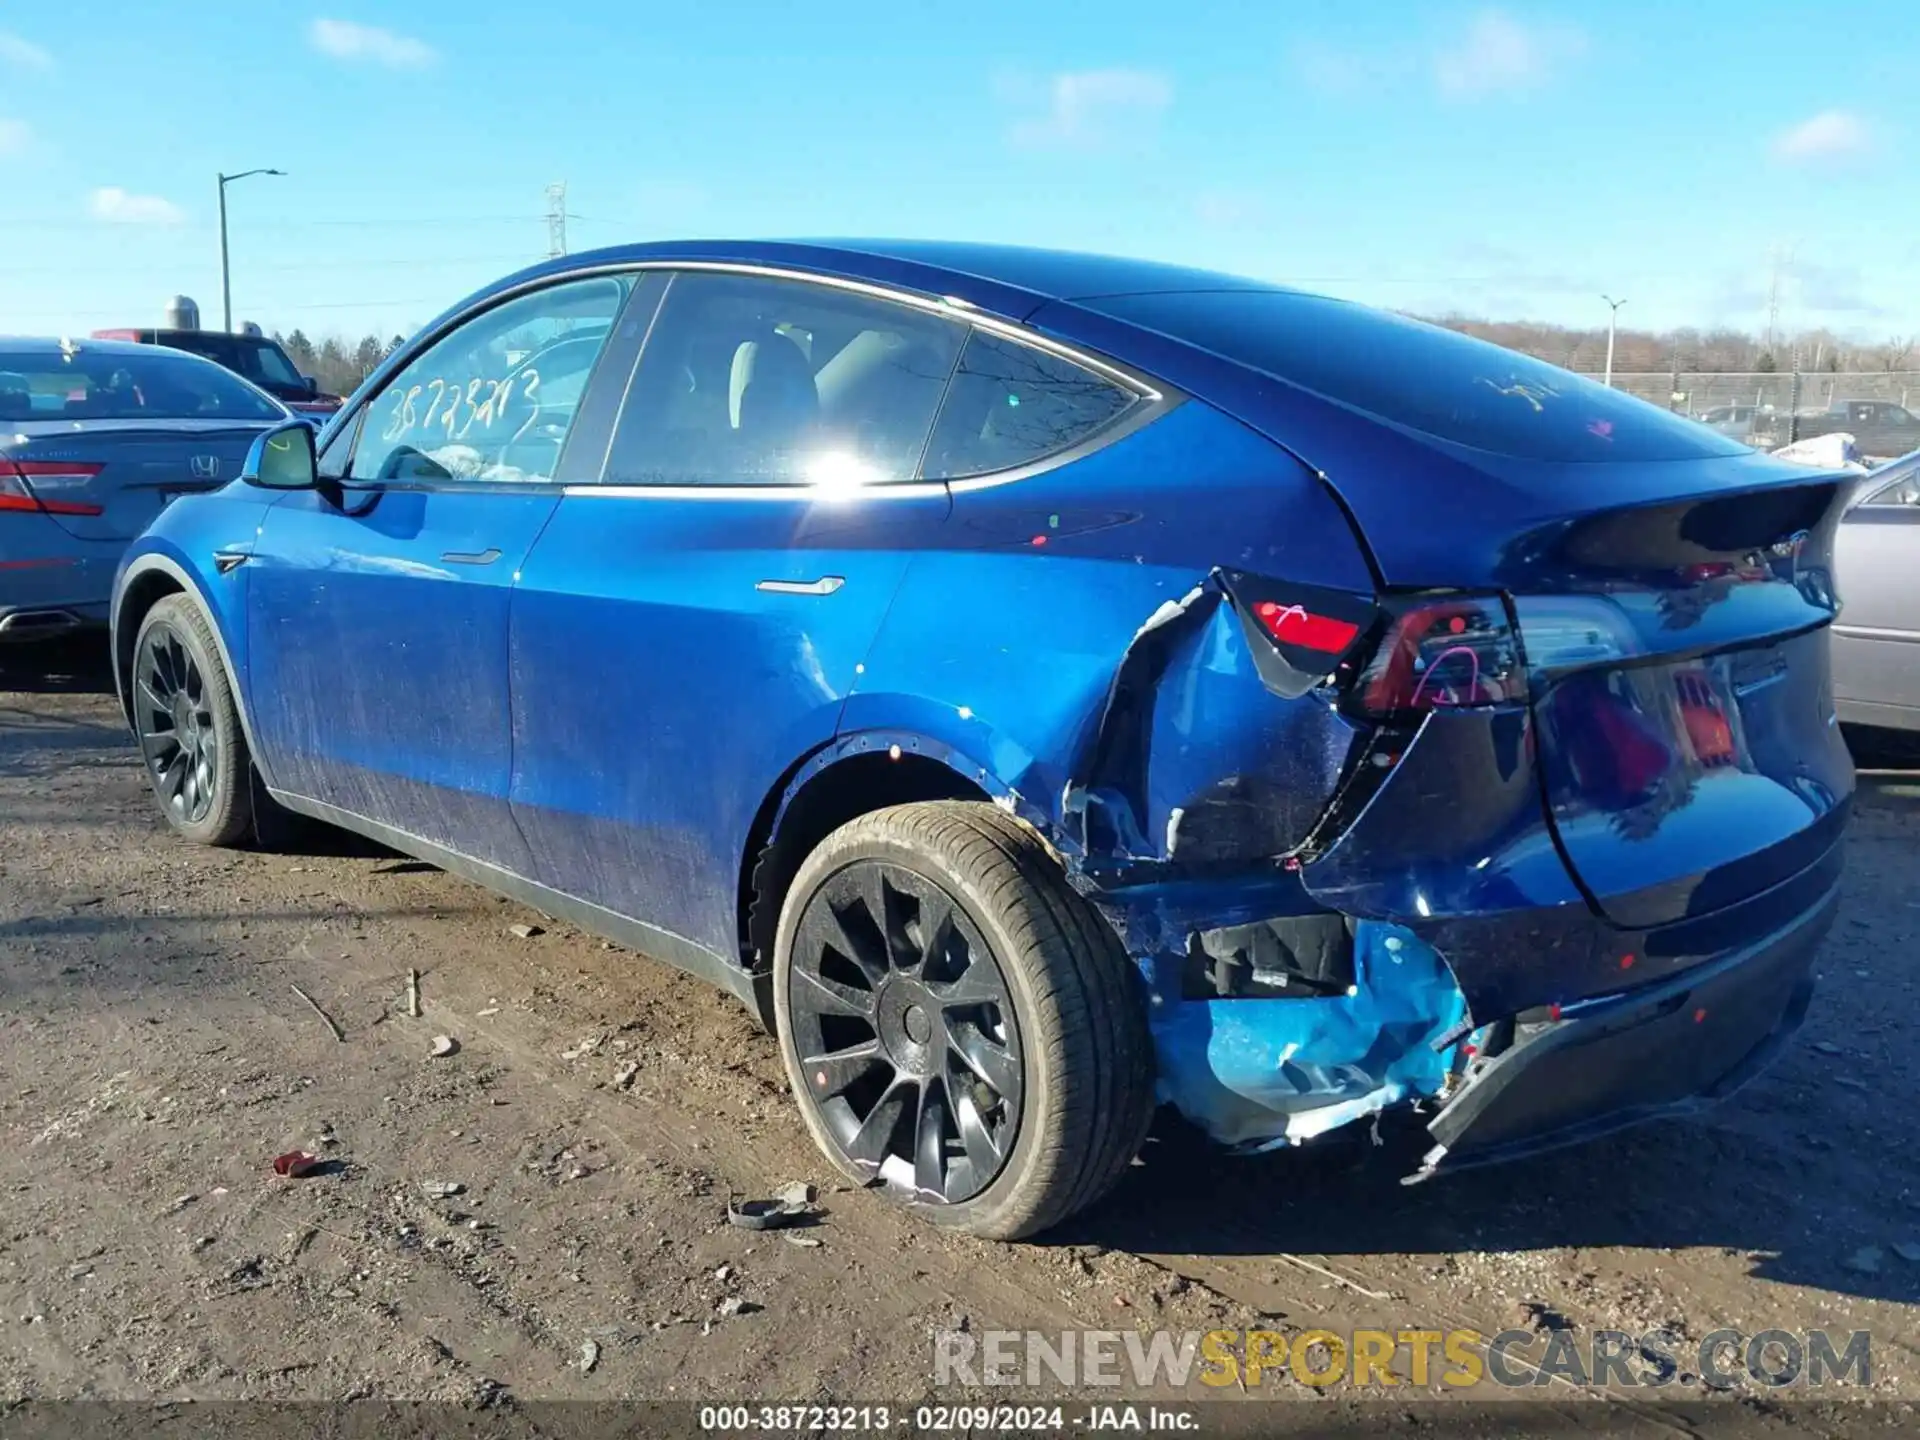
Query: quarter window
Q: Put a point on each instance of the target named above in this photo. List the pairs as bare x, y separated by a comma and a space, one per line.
1011, 404
752, 381
1903, 491
495, 399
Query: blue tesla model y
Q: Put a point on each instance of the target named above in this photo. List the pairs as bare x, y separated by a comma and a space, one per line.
1046, 686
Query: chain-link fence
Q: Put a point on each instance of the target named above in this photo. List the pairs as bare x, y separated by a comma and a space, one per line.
1697, 392
1880, 409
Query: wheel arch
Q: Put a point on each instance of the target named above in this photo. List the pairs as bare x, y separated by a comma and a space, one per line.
853, 775
145, 582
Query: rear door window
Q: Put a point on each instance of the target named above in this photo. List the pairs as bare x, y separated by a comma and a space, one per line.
1422, 377
1011, 404
748, 380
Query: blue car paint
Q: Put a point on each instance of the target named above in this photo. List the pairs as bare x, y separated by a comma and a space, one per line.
177, 553
1115, 557
380, 679
707, 685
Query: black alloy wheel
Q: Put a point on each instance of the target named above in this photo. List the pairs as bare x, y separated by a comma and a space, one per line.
173, 712
905, 1033
962, 1030
192, 745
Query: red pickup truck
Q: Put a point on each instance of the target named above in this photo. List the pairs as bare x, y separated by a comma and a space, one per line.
252, 357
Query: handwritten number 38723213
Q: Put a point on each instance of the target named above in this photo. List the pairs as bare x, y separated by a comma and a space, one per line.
454, 409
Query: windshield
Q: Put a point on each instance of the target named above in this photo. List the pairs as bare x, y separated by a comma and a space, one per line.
1438, 382
150, 384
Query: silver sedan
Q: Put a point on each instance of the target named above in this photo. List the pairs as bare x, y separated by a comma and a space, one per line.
1876, 640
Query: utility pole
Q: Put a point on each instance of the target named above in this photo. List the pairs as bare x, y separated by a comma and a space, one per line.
1613, 320
556, 219
1782, 262
226, 287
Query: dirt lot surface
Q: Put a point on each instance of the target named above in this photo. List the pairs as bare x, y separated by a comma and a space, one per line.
155, 1057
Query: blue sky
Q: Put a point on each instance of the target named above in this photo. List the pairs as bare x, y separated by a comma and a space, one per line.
1506, 161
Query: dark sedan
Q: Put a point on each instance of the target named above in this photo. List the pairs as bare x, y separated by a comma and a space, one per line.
96, 436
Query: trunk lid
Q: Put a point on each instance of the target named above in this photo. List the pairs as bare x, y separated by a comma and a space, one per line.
106, 480
1683, 703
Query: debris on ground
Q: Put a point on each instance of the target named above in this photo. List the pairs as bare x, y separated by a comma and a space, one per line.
413, 994
442, 1189
444, 1045
584, 1048
589, 1356
789, 1205
623, 1077
805, 1242
525, 932
332, 1024
733, 1305
296, 1164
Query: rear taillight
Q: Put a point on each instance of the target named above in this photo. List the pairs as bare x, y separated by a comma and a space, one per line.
23, 484
1440, 653
1301, 636
1296, 625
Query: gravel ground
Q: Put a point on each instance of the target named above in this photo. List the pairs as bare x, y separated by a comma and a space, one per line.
600, 1109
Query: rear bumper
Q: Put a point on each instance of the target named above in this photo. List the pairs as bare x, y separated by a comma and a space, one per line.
50, 581
1662, 1049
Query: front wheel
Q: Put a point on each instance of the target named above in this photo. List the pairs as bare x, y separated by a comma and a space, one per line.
191, 743
960, 1027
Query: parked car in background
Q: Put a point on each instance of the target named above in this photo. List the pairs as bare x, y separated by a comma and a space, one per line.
96, 437
1876, 640
1880, 428
1733, 421
255, 358
1040, 683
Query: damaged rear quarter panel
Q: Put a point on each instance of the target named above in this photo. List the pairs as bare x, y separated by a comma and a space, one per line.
1004, 642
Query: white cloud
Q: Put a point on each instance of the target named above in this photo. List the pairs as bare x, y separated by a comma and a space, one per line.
344, 40
1830, 135
15, 136
19, 54
113, 204
1502, 55
1088, 109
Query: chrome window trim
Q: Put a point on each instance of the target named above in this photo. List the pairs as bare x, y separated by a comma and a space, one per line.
1153, 399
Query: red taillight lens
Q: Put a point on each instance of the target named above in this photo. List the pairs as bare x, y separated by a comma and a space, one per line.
1296, 625
18, 492
1441, 653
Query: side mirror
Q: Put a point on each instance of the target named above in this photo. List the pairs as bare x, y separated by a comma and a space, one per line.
282, 458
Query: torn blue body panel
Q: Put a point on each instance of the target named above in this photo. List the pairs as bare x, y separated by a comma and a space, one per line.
1256, 1072
1285, 1066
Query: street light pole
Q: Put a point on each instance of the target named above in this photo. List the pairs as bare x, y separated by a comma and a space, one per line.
226, 285
1613, 321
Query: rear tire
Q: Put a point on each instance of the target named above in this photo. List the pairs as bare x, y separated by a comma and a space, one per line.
191, 743
993, 1027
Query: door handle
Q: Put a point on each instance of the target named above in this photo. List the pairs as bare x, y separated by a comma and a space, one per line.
825, 585
470, 557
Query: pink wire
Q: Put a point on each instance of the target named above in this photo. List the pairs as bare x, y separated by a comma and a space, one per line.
1465, 650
